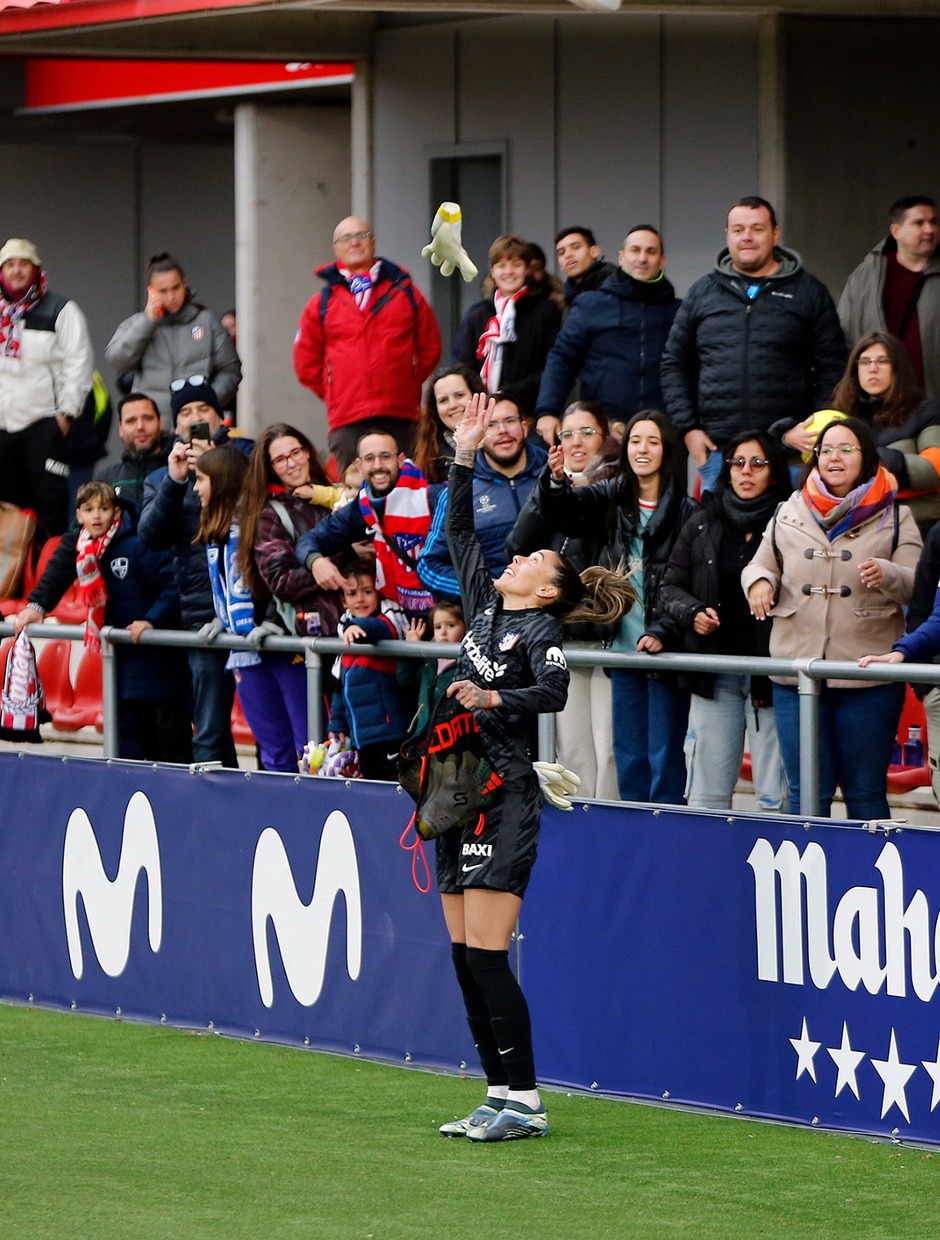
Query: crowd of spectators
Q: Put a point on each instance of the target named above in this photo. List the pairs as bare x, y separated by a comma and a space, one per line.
765, 464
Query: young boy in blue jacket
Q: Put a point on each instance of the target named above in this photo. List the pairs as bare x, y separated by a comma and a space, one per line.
369, 708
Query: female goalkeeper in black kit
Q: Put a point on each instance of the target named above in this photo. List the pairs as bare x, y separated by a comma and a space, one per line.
510, 668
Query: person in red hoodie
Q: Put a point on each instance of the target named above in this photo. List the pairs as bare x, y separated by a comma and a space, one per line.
366, 343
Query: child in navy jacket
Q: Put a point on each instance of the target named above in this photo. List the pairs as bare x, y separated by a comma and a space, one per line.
137, 591
369, 706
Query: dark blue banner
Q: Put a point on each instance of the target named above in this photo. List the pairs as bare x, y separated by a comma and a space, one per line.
750, 964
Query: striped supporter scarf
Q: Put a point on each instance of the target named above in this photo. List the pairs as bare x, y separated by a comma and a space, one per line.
401, 528
500, 330
88, 553
11, 316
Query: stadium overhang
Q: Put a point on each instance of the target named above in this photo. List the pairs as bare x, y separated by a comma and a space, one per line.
323, 29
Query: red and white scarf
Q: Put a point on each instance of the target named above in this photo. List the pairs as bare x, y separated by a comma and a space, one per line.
11, 315
88, 553
500, 330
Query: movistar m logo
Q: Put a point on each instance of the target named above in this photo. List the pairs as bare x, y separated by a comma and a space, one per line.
109, 905
303, 930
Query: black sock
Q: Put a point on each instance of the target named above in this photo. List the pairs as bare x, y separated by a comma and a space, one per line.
478, 1018
509, 1014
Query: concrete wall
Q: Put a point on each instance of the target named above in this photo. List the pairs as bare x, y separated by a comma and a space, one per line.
293, 185
860, 133
611, 121
98, 211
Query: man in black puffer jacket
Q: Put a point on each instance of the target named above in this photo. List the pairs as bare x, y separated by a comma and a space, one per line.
755, 340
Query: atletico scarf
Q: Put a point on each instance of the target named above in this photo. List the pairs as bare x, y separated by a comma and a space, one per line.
88, 553
500, 330
400, 531
11, 315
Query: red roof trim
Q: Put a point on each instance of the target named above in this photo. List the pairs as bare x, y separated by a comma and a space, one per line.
63, 14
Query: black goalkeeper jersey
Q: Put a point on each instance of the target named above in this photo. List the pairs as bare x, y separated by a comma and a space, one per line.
516, 653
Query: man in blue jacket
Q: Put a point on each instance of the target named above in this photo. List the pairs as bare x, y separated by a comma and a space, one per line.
505, 472
613, 339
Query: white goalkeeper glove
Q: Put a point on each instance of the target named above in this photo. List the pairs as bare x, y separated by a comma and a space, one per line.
557, 783
445, 249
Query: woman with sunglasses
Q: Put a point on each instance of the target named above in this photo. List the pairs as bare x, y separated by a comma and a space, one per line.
701, 590
880, 388
833, 572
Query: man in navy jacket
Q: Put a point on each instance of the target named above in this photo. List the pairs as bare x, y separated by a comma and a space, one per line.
612, 341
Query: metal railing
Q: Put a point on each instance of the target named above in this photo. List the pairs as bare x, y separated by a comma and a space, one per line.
809, 674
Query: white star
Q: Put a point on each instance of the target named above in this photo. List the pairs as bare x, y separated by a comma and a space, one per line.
805, 1050
933, 1068
895, 1076
846, 1060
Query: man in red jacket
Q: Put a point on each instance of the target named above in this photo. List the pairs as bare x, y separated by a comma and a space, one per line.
365, 344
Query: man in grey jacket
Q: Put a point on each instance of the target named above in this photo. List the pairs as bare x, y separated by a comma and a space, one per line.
174, 337
896, 288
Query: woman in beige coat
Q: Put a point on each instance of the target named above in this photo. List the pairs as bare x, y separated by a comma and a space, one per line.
834, 568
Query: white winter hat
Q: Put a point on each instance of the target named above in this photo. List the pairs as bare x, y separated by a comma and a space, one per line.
19, 247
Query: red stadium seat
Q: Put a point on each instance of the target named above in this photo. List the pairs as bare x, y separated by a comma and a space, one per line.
241, 732
53, 668
85, 710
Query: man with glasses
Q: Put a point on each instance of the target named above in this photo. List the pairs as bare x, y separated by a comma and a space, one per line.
613, 339
366, 343
757, 340
896, 288
394, 507
505, 472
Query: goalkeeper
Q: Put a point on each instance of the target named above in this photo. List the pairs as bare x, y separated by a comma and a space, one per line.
510, 669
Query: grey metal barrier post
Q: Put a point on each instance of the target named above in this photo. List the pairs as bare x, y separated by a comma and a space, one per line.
109, 695
313, 665
808, 690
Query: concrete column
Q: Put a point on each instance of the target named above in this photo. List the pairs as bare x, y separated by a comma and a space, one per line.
772, 149
292, 185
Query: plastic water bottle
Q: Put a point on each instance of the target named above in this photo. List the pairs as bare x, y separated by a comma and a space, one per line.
914, 749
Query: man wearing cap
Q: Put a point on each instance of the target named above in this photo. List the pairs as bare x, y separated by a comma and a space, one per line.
46, 364
169, 522
366, 343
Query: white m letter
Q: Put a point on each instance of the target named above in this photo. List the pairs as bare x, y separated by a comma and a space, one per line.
109, 906
303, 929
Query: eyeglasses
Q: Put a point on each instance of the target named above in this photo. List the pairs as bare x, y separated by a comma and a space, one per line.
384, 458
503, 424
196, 380
583, 432
873, 363
842, 449
345, 238
755, 462
294, 457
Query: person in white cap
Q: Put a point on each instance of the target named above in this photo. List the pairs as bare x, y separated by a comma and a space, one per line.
46, 366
